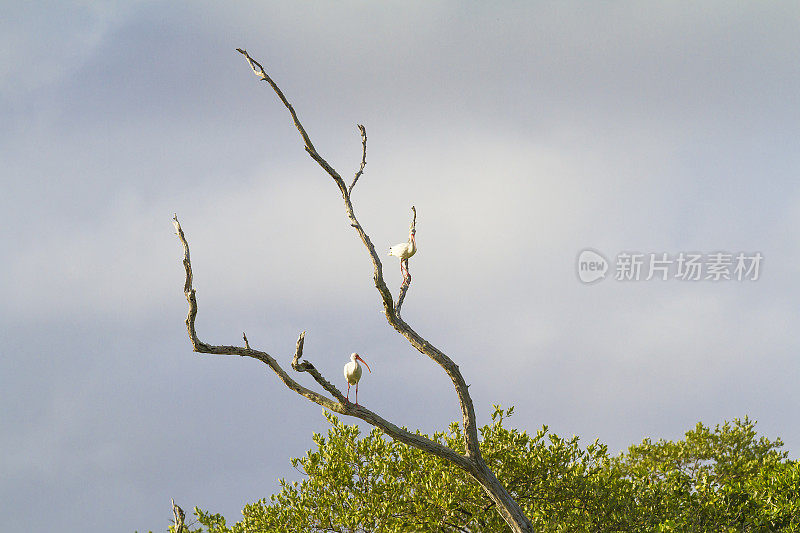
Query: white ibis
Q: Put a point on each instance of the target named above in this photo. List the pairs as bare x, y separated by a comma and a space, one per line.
352, 373
404, 250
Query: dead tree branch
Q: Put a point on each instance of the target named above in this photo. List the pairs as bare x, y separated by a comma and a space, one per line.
363, 131
339, 405
407, 279
472, 461
179, 517
467, 409
403, 290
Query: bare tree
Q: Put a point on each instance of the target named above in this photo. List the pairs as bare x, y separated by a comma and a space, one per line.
471, 462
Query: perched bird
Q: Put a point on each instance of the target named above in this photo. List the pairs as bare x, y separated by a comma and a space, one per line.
404, 250
352, 373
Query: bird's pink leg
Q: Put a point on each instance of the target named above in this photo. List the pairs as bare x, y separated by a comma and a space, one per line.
356, 392
348, 391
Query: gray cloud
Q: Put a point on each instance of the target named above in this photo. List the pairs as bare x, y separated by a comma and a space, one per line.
522, 133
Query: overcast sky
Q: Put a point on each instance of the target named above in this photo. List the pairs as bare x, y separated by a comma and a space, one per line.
522, 132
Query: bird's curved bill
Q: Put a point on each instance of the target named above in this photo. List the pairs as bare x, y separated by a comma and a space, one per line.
367, 364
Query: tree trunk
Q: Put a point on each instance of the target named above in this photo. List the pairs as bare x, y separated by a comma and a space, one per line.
506, 505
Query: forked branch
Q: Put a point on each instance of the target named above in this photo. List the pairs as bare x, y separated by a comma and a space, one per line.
339, 404
471, 461
465, 401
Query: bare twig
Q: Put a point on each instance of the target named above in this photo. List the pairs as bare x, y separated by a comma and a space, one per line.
407, 279
179, 516
380, 284
403, 289
298, 351
261, 73
202, 347
363, 131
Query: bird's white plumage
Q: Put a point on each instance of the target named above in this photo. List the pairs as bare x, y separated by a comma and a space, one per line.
404, 250
352, 371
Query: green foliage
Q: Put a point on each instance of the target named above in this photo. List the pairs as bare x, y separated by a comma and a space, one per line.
721, 480
725, 479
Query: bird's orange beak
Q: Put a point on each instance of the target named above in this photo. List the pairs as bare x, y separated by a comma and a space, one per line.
367, 365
